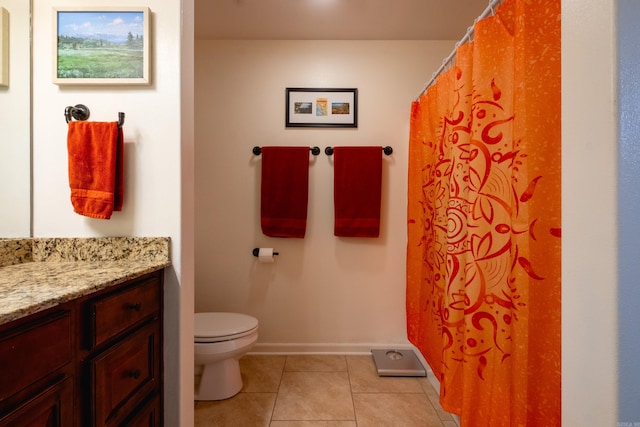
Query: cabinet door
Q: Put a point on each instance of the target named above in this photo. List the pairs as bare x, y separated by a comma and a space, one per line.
51, 408
147, 416
124, 375
31, 352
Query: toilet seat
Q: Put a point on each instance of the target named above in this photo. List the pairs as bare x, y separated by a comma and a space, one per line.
217, 327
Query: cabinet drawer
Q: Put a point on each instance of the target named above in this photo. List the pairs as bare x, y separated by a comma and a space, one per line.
33, 351
117, 312
124, 375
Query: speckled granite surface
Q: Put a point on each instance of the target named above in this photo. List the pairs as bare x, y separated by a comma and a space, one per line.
15, 251
65, 269
101, 249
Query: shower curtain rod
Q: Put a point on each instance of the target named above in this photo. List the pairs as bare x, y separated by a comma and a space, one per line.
489, 11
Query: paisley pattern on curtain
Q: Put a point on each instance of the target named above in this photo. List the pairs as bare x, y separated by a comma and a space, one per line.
484, 247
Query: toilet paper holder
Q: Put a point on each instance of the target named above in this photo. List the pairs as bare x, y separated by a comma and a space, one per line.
256, 252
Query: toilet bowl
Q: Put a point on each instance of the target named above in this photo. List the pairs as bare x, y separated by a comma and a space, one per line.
220, 340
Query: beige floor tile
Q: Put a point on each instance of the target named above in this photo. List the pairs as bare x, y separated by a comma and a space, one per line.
244, 409
315, 363
433, 397
365, 379
261, 373
313, 424
394, 409
321, 396
316, 391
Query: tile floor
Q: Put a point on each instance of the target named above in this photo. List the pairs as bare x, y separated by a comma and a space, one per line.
323, 391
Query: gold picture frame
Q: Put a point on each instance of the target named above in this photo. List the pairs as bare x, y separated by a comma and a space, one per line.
4, 47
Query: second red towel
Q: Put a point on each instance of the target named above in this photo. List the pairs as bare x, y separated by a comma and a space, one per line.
357, 191
284, 191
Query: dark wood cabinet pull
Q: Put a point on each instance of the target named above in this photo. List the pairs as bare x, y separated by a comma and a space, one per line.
134, 374
135, 306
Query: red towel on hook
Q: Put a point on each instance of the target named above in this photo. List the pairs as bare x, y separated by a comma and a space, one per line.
357, 189
284, 192
96, 168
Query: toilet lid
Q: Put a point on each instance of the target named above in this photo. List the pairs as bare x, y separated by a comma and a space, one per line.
218, 325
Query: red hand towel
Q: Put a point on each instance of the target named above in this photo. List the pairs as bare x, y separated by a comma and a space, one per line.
357, 191
96, 168
284, 193
118, 197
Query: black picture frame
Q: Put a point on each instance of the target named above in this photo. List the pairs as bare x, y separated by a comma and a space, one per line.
321, 107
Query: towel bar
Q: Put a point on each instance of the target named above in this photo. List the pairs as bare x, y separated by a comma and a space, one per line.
387, 151
81, 112
314, 150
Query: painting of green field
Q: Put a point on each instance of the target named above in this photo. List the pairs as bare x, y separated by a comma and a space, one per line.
111, 63
102, 46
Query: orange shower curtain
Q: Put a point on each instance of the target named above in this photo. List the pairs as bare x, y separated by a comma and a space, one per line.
483, 257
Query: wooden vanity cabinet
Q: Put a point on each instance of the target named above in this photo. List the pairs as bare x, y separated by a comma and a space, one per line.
95, 361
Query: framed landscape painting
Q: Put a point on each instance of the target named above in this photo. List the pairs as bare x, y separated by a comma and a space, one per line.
100, 46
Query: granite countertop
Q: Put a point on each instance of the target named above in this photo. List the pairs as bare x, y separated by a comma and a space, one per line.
60, 270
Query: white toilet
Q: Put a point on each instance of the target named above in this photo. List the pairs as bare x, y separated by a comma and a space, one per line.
220, 340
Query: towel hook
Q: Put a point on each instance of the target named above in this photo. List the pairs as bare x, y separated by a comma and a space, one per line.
78, 112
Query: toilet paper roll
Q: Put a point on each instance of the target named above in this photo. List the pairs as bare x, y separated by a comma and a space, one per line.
265, 255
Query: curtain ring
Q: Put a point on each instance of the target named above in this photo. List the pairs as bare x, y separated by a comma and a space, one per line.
492, 6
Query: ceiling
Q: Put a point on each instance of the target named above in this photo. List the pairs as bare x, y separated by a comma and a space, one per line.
335, 19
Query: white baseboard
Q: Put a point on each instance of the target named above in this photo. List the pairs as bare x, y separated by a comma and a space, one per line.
341, 348
326, 348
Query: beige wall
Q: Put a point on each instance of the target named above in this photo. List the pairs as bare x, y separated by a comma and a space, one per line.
152, 136
323, 293
589, 217
589, 240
